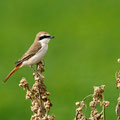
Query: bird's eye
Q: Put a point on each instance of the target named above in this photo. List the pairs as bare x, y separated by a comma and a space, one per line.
43, 37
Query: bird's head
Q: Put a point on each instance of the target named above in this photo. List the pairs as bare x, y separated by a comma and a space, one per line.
43, 37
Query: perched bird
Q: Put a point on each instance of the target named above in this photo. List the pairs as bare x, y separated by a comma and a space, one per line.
34, 54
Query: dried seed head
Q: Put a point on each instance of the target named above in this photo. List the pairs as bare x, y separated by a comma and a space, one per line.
98, 92
93, 104
83, 118
34, 109
36, 77
118, 83
105, 103
118, 60
82, 103
78, 109
101, 117
44, 98
29, 95
94, 113
118, 118
34, 74
40, 67
23, 83
52, 117
117, 110
47, 93
77, 103
33, 102
118, 99
117, 76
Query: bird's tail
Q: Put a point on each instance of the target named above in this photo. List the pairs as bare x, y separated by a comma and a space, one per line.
13, 71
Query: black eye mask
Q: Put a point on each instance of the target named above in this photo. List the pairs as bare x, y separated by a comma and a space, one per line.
45, 36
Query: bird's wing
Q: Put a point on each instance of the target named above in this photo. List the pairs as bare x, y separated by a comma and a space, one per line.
35, 47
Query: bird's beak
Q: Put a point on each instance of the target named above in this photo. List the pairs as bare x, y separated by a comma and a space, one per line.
52, 37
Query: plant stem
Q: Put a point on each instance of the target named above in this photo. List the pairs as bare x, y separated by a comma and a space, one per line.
103, 108
87, 97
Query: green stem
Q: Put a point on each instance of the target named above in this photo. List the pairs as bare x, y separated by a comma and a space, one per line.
103, 108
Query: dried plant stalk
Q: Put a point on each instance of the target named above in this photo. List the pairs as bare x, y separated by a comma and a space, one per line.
38, 95
117, 109
117, 77
98, 98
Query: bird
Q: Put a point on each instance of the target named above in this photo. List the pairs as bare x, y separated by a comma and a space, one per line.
34, 54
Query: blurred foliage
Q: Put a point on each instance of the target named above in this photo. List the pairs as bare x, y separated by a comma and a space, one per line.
83, 54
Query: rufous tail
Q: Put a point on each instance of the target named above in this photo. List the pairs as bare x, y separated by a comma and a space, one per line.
10, 74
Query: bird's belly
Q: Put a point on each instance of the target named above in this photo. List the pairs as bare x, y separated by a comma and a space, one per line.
37, 57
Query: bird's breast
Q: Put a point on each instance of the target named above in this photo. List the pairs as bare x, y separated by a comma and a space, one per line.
38, 56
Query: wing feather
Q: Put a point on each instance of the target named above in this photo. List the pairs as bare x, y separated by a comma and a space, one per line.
35, 47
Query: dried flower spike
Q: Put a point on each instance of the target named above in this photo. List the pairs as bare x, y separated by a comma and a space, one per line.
97, 97
38, 95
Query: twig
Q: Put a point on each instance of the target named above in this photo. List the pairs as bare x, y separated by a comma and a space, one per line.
91, 95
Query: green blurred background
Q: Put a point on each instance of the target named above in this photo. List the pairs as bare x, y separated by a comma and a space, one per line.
83, 54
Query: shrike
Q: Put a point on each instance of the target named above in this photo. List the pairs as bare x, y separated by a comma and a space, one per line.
34, 54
